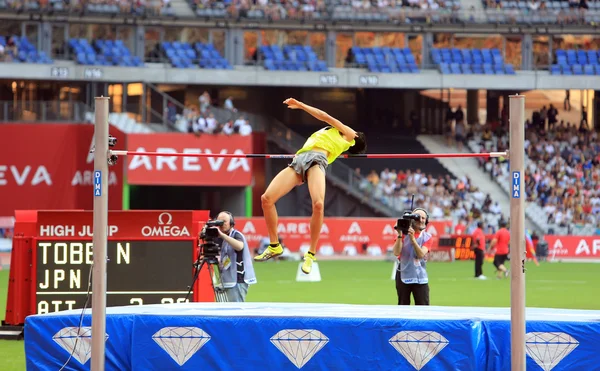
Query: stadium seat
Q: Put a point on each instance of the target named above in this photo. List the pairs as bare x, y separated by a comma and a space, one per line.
575, 62
471, 61
385, 59
115, 53
185, 55
103, 53
26, 52
291, 58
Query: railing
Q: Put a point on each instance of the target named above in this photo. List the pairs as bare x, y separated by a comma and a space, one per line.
42, 111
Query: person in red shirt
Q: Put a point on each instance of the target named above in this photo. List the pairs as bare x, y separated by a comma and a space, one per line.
479, 246
500, 242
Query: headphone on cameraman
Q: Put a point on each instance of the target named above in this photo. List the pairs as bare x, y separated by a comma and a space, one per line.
231, 220
426, 215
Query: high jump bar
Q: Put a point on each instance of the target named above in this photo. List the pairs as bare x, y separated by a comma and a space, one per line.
370, 155
517, 221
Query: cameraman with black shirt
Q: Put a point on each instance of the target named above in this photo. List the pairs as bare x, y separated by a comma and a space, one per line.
236, 263
411, 248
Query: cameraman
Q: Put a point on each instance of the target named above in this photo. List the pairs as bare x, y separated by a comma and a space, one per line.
411, 250
236, 262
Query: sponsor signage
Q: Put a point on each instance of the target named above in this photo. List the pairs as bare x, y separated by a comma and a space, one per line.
49, 166
196, 171
121, 225
573, 247
335, 232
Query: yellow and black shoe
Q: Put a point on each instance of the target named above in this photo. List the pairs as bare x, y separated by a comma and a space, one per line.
270, 252
309, 258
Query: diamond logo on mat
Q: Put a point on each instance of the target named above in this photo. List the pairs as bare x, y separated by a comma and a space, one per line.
299, 346
77, 341
549, 348
418, 347
181, 343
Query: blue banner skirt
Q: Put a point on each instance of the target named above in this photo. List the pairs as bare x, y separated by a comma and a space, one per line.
292, 336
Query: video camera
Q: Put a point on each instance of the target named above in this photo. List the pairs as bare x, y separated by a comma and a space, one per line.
404, 223
210, 249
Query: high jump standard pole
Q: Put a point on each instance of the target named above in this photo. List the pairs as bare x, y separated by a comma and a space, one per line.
100, 233
517, 231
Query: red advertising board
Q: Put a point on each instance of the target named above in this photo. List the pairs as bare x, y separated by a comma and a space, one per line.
336, 232
189, 171
573, 247
49, 166
136, 225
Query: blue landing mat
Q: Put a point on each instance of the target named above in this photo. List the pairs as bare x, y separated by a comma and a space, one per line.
291, 336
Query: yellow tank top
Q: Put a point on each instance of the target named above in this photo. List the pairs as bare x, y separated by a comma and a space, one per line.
328, 139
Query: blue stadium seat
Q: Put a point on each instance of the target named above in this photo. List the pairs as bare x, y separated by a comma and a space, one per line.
26, 52
471, 61
301, 58
576, 62
185, 55
386, 59
555, 69
115, 53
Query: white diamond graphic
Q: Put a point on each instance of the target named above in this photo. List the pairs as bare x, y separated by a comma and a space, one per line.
79, 340
181, 343
549, 348
299, 345
418, 347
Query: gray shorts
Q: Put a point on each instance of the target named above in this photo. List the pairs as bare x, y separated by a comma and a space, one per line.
306, 160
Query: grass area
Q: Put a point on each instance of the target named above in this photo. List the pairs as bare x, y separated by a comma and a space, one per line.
368, 282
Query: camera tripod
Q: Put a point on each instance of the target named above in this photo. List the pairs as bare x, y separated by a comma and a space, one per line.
215, 275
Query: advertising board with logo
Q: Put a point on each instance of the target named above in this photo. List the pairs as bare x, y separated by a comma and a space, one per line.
584, 248
50, 166
336, 233
198, 171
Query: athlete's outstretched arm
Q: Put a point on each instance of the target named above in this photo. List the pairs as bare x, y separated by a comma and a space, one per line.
323, 116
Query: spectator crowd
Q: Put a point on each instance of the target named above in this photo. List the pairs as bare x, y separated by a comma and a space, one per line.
443, 196
562, 168
205, 118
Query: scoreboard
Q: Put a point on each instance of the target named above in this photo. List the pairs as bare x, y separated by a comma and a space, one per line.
138, 272
461, 244
150, 256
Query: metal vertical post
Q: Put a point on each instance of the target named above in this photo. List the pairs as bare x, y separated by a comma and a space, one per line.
100, 233
517, 232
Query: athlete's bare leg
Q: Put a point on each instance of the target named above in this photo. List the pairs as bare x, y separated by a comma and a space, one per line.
281, 185
316, 188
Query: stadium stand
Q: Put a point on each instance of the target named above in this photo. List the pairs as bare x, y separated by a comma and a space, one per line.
103, 53
561, 177
470, 61
184, 55
19, 49
444, 196
385, 59
291, 58
576, 62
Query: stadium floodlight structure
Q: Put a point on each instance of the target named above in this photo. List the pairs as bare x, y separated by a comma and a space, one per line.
103, 154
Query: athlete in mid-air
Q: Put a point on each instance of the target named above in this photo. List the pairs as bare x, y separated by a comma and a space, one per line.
309, 166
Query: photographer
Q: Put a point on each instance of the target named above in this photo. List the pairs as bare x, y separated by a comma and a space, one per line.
411, 248
236, 262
